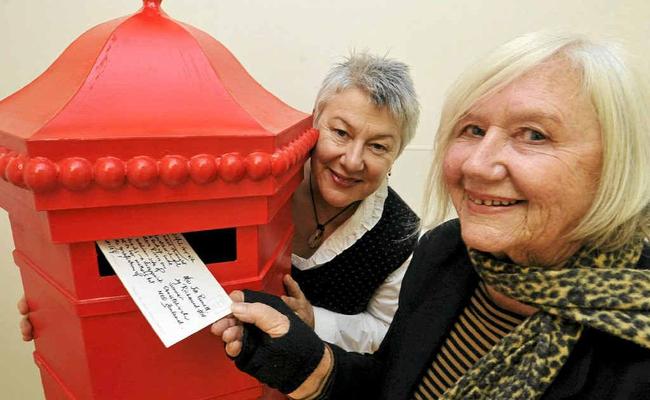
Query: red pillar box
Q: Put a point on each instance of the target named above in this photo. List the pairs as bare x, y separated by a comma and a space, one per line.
144, 126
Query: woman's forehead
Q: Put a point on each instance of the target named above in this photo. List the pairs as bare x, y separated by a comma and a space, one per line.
551, 91
354, 108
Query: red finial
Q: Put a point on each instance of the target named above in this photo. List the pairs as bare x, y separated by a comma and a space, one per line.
151, 4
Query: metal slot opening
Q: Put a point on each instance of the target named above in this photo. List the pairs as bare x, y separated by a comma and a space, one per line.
213, 246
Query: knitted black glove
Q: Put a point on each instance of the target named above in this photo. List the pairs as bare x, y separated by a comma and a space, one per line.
282, 363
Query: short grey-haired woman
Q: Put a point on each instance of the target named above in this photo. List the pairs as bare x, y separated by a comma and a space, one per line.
353, 234
541, 287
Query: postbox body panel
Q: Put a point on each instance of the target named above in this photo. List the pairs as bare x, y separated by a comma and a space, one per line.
103, 348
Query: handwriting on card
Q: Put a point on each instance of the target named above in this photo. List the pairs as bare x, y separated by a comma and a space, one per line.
175, 291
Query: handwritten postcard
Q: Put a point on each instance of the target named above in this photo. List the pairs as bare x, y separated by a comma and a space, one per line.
169, 283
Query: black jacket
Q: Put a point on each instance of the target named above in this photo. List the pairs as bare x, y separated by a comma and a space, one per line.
436, 288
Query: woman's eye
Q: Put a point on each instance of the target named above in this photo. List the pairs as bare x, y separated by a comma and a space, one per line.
534, 136
473, 130
340, 132
378, 147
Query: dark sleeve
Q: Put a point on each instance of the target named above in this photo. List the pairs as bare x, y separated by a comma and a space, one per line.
358, 376
355, 376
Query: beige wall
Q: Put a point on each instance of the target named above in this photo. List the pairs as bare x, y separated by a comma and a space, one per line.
288, 45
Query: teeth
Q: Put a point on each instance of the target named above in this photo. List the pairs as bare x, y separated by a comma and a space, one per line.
492, 202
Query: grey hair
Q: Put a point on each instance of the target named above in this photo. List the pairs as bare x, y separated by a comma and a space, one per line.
387, 82
621, 208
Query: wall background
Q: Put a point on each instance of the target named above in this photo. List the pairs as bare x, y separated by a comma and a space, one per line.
288, 45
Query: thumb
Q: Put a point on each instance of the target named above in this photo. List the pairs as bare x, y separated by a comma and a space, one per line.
265, 318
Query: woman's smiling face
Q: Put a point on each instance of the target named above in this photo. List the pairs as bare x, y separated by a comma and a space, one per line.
522, 168
356, 148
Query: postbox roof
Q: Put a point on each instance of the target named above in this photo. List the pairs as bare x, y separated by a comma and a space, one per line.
142, 76
145, 109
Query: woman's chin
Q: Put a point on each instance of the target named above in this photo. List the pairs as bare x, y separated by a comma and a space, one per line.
486, 239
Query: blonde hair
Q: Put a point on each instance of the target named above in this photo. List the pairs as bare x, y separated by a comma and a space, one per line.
620, 211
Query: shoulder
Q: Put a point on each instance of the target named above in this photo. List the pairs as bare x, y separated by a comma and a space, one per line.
394, 205
441, 239
439, 252
398, 222
439, 246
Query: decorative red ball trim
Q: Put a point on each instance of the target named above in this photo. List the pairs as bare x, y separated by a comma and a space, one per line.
279, 163
76, 173
4, 160
232, 168
174, 170
40, 174
110, 172
258, 165
142, 171
203, 168
14, 170
295, 153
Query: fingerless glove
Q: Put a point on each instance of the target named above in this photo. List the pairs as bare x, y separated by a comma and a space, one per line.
283, 363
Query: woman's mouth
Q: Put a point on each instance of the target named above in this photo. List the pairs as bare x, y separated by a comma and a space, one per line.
343, 180
491, 201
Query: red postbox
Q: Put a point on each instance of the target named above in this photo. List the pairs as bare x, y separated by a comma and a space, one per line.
144, 125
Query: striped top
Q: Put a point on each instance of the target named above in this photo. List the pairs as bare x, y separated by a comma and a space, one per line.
481, 325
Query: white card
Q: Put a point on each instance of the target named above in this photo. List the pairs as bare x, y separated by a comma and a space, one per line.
173, 288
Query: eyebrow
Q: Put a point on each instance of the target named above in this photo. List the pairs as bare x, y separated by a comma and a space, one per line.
378, 136
538, 115
346, 123
522, 116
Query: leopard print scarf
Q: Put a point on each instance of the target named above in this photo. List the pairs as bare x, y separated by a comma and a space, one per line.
596, 289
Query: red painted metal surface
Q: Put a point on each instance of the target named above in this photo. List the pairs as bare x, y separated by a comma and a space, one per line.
143, 126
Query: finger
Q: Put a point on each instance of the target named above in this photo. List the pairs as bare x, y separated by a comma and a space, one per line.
233, 333
293, 304
293, 289
237, 296
22, 305
26, 329
266, 318
224, 323
234, 348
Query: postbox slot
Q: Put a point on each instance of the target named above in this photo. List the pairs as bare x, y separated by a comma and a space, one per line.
213, 246
105, 268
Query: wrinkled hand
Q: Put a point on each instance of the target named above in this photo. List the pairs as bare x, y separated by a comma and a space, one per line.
26, 328
297, 301
231, 330
270, 342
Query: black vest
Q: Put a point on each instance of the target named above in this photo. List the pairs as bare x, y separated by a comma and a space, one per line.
346, 283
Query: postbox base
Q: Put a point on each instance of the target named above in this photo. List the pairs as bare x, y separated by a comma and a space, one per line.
117, 356
55, 389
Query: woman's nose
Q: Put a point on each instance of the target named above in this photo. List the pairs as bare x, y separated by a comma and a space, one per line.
486, 159
352, 159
